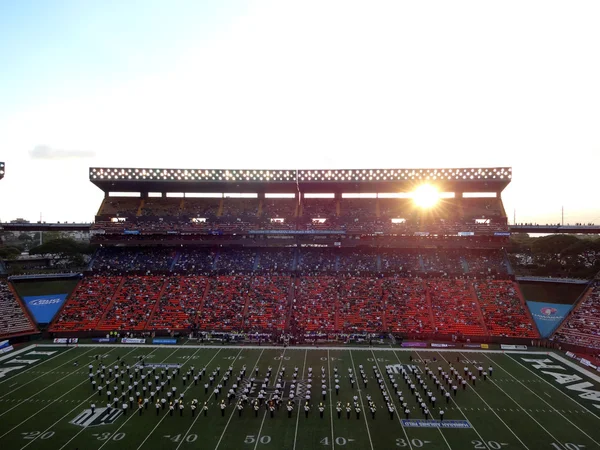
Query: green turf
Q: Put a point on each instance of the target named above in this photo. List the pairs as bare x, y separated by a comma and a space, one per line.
519, 407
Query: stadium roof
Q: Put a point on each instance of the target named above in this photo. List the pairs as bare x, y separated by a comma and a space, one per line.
493, 179
1, 170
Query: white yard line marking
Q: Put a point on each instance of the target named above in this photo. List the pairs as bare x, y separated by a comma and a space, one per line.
78, 406
17, 352
298, 412
265, 414
12, 385
330, 399
362, 405
499, 418
165, 414
37, 378
400, 410
563, 416
42, 390
233, 411
551, 385
513, 400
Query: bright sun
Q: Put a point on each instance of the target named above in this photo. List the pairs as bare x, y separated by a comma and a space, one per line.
426, 196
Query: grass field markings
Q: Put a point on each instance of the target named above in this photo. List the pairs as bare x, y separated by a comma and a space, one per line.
133, 412
298, 412
362, 405
47, 429
548, 383
165, 414
37, 378
399, 410
513, 400
42, 390
233, 409
563, 416
330, 399
265, 414
464, 415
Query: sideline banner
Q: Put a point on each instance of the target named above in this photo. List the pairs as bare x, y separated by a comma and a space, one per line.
548, 316
443, 345
414, 344
6, 349
100, 340
44, 307
66, 340
513, 347
133, 341
164, 341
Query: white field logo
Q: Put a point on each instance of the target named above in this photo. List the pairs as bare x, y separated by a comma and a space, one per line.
44, 301
101, 416
565, 379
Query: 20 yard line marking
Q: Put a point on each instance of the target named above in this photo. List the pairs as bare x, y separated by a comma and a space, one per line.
509, 429
233, 412
47, 429
564, 417
362, 405
298, 412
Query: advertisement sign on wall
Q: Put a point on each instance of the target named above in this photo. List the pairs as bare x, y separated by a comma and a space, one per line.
133, 341
44, 307
548, 316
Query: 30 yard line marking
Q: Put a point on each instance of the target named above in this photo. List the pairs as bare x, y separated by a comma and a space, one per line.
84, 401
362, 405
563, 416
398, 412
37, 378
550, 384
509, 429
165, 414
265, 414
233, 412
298, 412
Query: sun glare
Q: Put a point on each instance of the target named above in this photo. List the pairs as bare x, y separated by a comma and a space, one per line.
426, 196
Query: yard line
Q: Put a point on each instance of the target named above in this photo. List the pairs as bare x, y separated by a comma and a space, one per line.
265, 414
361, 400
31, 381
165, 414
550, 384
400, 412
42, 390
563, 416
62, 416
515, 402
331, 400
233, 411
12, 386
298, 413
509, 429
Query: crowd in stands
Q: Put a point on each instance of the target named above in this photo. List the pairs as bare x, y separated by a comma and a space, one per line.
13, 320
455, 310
314, 304
357, 261
405, 305
279, 208
276, 260
448, 262
195, 260
120, 259
268, 303
235, 260
224, 303
504, 312
316, 260
361, 308
582, 326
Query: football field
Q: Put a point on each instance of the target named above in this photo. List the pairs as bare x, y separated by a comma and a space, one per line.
531, 400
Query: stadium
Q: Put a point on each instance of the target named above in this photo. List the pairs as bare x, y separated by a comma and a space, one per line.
295, 309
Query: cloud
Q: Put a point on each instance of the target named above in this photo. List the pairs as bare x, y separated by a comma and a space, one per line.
47, 152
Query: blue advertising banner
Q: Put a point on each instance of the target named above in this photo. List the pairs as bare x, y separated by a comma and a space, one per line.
44, 307
104, 340
164, 341
548, 316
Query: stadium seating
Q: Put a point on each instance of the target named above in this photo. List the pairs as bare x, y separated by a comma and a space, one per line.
120, 206
275, 260
405, 306
161, 207
86, 305
314, 307
195, 261
503, 310
233, 260
455, 310
357, 261
13, 320
224, 303
279, 208
268, 303
132, 304
360, 305
582, 326
316, 260
180, 303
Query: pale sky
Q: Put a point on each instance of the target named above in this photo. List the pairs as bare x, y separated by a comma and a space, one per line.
303, 84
